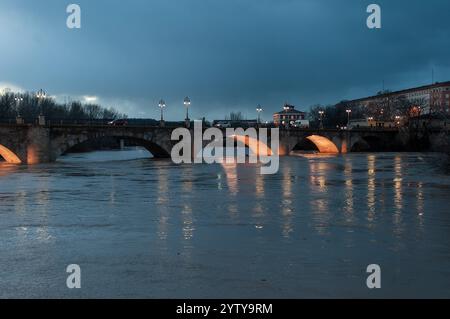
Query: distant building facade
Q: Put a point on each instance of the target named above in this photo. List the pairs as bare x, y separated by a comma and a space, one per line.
433, 98
235, 123
288, 116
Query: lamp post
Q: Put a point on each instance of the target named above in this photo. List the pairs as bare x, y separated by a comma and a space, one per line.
162, 105
348, 117
41, 96
286, 109
18, 99
259, 109
397, 120
187, 103
321, 113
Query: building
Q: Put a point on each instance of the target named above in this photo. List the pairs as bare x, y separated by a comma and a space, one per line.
371, 123
235, 123
288, 116
433, 98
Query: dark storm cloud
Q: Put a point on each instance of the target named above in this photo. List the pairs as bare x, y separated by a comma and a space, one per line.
225, 54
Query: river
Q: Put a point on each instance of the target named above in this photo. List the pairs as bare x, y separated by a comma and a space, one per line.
141, 227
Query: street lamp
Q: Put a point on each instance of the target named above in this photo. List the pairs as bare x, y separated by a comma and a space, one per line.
259, 110
187, 103
321, 113
18, 99
348, 117
286, 110
41, 95
162, 105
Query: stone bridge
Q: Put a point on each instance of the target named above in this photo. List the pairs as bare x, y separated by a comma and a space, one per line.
32, 144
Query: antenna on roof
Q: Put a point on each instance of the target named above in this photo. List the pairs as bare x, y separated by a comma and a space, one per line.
432, 75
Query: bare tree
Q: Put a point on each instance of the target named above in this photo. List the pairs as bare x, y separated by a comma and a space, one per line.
235, 116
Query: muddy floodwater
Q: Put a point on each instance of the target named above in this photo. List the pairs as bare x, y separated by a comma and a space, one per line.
140, 227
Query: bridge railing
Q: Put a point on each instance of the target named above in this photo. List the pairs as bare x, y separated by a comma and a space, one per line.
84, 122
155, 123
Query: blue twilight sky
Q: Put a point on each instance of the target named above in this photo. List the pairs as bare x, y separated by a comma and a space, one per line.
227, 55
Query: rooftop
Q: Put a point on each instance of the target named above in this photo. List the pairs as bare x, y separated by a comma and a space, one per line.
289, 109
419, 88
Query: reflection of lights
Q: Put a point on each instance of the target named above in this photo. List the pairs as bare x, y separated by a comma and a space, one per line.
398, 184
420, 205
287, 204
43, 200
187, 179
163, 188
188, 222
219, 181
319, 205
420, 199
398, 196
313, 155
371, 187
349, 200
162, 200
259, 186
319, 180
113, 193
231, 176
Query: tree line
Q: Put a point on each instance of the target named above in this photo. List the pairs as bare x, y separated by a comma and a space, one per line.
29, 106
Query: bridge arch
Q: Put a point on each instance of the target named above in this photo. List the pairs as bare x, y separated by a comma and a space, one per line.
256, 146
9, 156
68, 144
368, 144
320, 143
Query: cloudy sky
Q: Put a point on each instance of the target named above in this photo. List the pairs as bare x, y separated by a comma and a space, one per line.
227, 55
